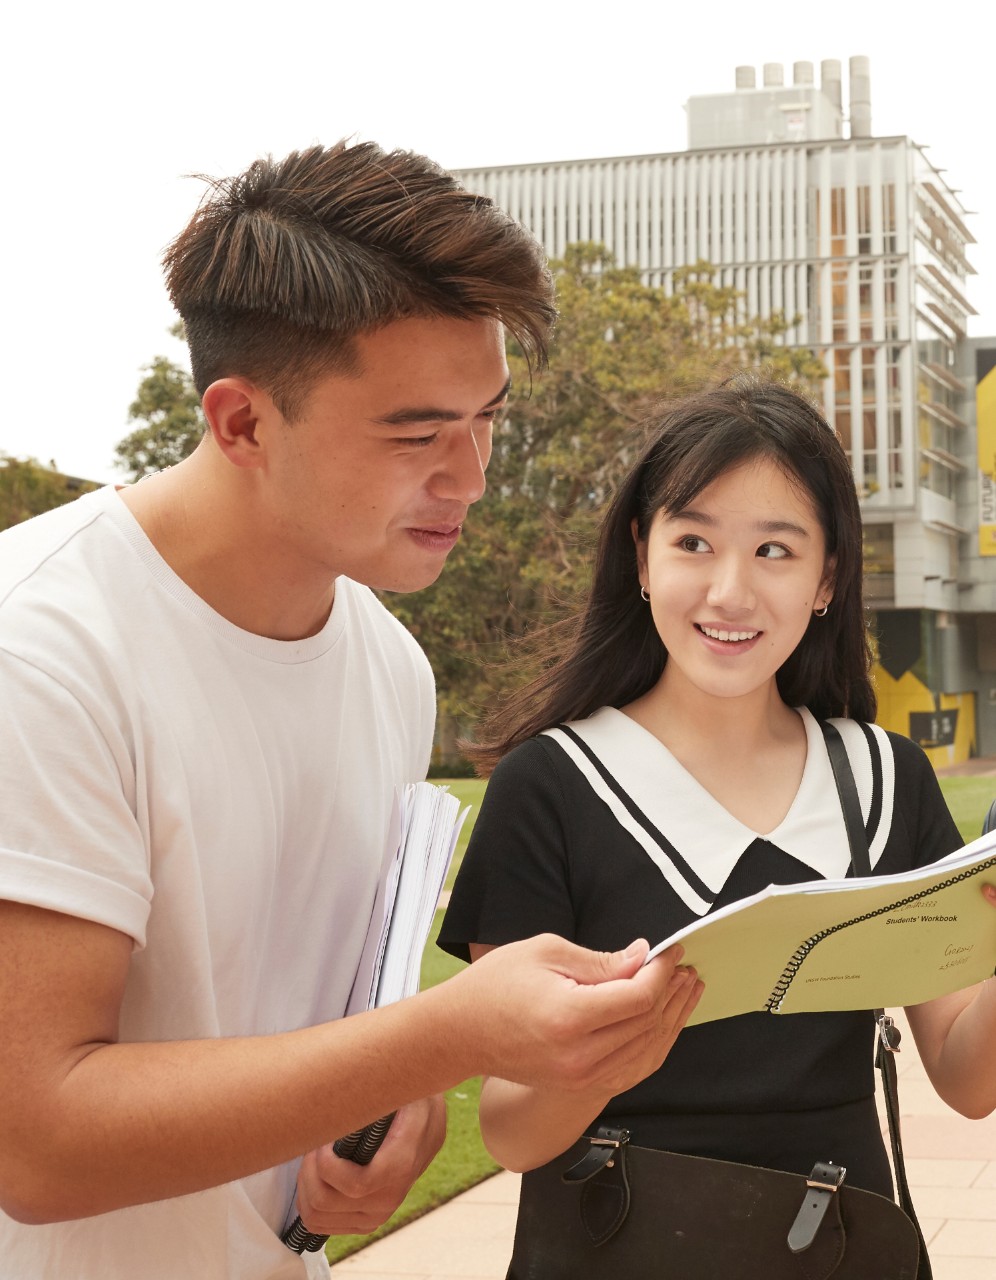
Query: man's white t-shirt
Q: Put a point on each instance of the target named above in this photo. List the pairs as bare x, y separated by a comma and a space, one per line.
222, 798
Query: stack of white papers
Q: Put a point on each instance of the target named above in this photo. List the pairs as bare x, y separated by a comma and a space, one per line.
424, 830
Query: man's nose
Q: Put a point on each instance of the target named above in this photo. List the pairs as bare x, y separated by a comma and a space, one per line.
461, 475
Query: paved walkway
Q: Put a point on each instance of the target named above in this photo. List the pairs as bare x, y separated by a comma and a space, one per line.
951, 1164
978, 766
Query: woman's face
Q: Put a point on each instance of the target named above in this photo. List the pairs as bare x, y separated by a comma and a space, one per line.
734, 579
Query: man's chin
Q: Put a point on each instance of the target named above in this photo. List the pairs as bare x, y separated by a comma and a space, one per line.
408, 583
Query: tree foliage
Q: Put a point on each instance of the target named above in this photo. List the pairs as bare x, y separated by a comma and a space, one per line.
27, 489
621, 348
169, 409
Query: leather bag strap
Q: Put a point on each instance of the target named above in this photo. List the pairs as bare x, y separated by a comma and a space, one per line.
888, 1036
821, 1187
603, 1149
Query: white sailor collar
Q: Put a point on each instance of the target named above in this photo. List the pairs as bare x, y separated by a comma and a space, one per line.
709, 839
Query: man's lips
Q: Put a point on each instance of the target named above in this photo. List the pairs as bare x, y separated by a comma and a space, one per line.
436, 537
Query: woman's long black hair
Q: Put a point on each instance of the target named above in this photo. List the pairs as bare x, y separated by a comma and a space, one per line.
610, 654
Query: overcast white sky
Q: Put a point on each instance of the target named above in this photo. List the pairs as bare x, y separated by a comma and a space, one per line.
106, 106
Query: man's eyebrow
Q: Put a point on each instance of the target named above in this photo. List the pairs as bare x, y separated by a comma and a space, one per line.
428, 413
762, 526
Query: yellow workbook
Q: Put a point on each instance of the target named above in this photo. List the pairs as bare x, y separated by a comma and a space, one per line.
874, 942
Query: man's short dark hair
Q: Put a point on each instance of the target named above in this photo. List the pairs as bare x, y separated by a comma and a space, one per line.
284, 265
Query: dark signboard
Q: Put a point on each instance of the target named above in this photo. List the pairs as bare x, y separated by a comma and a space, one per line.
933, 728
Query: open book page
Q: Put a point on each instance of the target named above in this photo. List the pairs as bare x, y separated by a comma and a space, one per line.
879, 941
425, 828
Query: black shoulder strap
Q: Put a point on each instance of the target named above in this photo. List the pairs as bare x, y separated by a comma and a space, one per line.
887, 1043
849, 802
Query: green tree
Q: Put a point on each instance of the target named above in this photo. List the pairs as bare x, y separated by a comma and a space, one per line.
621, 348
169, 409
27, 489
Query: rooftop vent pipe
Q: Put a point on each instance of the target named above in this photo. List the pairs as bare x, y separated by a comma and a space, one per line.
830, 81
861, 111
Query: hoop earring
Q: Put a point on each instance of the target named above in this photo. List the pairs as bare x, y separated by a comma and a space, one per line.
644, 596
822, 613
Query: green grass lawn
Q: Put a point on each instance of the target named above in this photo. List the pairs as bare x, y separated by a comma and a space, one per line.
463, 1160
469, 791
969, 800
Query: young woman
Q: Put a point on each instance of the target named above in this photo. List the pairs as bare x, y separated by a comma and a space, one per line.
670, 761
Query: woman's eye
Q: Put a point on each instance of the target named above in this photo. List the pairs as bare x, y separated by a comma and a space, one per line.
693, 543
773, 551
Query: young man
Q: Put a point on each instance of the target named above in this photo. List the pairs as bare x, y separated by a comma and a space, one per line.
206, 715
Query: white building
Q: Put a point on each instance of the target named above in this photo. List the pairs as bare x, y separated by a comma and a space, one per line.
862, 242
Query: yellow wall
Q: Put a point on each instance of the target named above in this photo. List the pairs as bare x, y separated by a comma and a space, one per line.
985, 412
897, 698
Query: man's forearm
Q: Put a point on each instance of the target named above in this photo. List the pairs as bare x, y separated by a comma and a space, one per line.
88, 1124
131, 1123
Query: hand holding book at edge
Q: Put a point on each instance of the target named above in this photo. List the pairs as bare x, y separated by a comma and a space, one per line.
360, 1146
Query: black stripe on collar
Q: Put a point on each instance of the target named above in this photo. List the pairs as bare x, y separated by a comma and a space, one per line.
637, 814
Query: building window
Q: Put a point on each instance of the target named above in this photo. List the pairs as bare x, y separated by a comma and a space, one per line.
894, 414
865, 275
936, 477
871, 480
879, 549
864, 220
879, 564
889, 301
838, 277
838, 223
889, 217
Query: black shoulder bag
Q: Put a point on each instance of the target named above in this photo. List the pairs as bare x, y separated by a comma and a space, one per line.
608, 1208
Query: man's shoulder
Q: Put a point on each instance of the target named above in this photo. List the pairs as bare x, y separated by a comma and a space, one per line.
27, 547
370, 615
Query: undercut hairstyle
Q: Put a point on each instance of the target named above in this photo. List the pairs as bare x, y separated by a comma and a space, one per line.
610, 654
283, 266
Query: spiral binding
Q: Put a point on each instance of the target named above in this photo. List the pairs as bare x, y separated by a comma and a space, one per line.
300, 1239
360, 1146
774, 1001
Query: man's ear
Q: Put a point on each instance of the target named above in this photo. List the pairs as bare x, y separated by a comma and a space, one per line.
235, 409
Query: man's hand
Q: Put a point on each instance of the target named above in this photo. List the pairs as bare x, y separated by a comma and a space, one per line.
524, 1126
551, 1014
338, 1197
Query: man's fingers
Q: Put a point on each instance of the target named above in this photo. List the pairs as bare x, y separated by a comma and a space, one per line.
337, 1196
591, 968
569, 1008
617, 1000
617, 1055
611, 966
